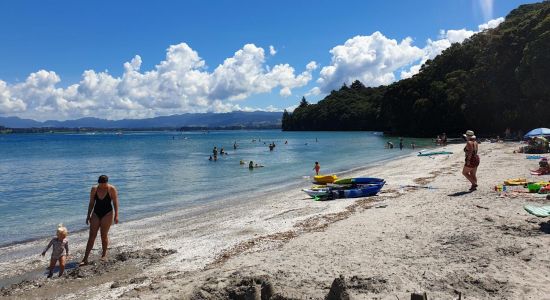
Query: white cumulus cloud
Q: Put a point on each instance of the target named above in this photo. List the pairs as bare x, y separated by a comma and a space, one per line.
491, 24
372, 59
179, 83
8, 103
375, 59
446, 39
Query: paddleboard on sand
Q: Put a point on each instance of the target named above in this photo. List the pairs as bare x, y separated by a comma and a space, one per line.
434, 153
539, 211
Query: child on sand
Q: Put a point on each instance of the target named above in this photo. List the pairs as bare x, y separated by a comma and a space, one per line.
317, 167
60, 250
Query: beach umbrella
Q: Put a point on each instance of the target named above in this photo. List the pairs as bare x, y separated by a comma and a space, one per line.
537, 132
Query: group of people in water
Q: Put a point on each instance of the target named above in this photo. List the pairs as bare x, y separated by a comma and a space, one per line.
214, 155
389, 144
251, 165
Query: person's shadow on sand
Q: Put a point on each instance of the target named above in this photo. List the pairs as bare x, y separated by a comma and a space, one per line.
457, 194
68, 267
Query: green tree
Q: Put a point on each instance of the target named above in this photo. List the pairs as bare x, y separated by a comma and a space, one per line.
303, 103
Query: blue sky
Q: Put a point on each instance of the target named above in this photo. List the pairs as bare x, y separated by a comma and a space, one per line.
66, 38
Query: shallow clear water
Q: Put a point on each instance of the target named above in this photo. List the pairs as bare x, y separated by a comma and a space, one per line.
45, 179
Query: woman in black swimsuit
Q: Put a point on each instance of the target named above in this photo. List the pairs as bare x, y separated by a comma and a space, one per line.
100, 215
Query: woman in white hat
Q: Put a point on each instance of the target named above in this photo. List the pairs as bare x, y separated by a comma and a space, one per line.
472, 159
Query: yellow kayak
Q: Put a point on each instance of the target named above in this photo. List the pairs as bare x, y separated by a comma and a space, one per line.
515, 181
324, 179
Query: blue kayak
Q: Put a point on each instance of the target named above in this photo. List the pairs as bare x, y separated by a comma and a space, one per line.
360, 191
365, 191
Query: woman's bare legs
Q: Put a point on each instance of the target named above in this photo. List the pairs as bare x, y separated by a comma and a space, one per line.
106, 223
94, 227
470, 174
474, 176
466, 171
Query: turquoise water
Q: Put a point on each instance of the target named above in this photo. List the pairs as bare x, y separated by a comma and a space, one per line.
45, 179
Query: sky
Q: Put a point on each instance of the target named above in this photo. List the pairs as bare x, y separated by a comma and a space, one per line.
135, 59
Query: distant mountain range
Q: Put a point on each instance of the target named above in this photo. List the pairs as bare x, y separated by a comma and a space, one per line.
231, 119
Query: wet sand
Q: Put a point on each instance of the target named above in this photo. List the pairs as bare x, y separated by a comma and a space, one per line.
440, 240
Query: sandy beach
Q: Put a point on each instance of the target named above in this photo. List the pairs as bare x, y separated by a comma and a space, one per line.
438, 239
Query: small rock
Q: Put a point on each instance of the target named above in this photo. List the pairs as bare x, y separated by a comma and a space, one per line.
138, 280
115, 285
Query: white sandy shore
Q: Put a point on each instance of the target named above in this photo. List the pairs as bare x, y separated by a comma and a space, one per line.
434, 240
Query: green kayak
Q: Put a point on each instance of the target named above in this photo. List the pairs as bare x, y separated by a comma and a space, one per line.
359, 180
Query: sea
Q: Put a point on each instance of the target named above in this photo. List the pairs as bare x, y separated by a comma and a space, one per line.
45, 179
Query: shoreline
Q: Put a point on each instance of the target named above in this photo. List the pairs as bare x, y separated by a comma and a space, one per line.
276, 187
221, 207
460, 241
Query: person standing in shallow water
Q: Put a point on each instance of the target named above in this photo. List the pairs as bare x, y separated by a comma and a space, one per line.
400, 143
215, 153
100, 217
472, 159
317, 167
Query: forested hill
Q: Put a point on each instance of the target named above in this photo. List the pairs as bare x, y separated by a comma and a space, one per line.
496, 79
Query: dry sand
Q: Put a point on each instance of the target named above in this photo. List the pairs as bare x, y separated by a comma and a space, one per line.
441, 240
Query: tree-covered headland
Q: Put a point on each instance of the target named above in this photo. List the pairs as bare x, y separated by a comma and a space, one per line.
497, 79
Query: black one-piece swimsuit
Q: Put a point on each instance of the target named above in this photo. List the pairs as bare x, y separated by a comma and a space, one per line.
102, 206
